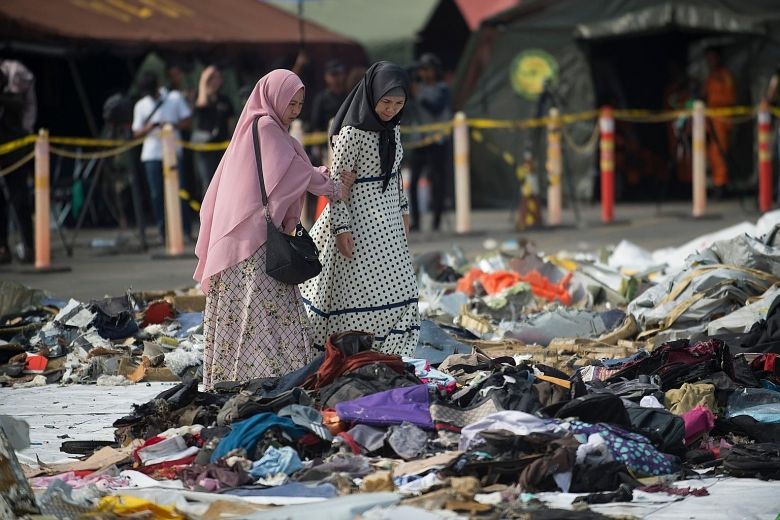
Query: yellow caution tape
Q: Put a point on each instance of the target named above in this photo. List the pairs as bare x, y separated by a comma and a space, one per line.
204, 147
12, 146
522, 124
186, 197
424, 142
97, 143
315, 139
730, 111
443, 128
18, 164
651, 116
80, 154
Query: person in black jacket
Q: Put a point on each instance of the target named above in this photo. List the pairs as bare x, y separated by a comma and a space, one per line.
432, 103
214, 116
15, 193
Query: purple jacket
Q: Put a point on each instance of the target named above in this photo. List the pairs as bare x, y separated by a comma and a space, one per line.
389, 407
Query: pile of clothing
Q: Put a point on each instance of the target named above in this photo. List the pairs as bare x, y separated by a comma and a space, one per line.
538, 383
470, 434
112, 341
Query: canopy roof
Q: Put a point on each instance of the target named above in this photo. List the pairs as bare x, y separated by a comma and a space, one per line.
139, 23
367, 21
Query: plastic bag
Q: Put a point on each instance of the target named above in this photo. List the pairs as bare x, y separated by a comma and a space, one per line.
760, 404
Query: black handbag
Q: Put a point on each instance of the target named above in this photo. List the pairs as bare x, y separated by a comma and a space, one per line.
291, 259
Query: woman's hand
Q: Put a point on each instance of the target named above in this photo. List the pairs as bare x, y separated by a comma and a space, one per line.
348, 179
405, 218
345, 244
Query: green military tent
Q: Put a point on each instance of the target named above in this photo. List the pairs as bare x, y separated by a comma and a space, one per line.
615, 52
387, 30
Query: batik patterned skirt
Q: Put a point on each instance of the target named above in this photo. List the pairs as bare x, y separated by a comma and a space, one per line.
254, 325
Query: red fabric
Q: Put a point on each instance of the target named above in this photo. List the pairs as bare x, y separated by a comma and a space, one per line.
309, 439
765, 363
150, 441
336, 364
158, 312
36, 363
186, 461
353, 445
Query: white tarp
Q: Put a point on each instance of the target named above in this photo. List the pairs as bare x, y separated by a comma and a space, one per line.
82, 412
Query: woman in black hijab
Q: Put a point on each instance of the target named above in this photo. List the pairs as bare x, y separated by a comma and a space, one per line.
367, 281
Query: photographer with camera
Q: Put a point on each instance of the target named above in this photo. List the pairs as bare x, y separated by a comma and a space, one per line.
150, 114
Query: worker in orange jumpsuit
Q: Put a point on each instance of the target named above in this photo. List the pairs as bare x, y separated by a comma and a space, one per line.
720, 92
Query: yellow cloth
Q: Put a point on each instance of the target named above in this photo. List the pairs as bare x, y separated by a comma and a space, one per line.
688, 396
378, 481
125, 505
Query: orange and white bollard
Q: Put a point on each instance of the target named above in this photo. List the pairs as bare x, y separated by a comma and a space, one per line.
462, 174
42, 202
607, 164
764, 158
699, 147
554, 169
174, 240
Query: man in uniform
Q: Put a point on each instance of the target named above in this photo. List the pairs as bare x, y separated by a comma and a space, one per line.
720, 91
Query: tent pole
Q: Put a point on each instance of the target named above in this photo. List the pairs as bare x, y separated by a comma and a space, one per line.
82, 96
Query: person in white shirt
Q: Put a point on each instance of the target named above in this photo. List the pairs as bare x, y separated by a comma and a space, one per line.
155, 109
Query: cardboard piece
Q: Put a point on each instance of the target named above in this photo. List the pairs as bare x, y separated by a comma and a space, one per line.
100, 460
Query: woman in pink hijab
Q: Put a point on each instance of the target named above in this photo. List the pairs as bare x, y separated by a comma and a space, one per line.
256, 326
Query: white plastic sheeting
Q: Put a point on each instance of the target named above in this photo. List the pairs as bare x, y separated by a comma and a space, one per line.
82, 412
729, 499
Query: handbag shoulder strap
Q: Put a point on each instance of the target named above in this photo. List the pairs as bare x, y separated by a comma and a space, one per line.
259, 163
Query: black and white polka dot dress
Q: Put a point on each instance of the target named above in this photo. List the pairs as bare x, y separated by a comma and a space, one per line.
376, 291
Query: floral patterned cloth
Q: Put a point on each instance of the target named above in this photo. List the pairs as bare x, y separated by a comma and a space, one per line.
634, 450
255, 326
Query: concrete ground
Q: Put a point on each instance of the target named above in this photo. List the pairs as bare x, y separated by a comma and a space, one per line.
98, 272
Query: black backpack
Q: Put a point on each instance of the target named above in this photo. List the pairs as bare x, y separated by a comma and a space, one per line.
761, 460
665, 429
366, 380
592, 408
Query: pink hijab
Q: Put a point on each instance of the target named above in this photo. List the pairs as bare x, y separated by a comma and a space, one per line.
232, 223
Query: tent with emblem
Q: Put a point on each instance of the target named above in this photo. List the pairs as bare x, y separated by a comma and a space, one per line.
582, 55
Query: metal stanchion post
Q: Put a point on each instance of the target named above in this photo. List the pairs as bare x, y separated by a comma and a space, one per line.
174, 240
699, 147
462, 174
607, 164
42, 229
554, 169
174, 235
42, 201
764, 158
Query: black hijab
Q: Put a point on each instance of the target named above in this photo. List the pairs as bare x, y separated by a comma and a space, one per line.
358, 110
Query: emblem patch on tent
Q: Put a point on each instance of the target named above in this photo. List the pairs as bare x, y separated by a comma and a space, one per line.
530, 69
